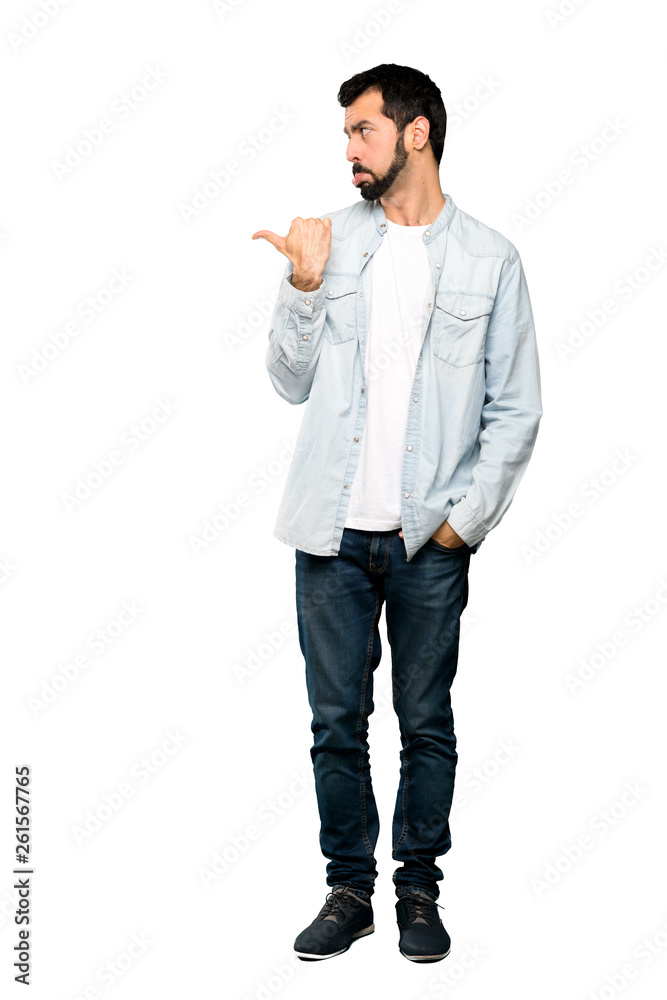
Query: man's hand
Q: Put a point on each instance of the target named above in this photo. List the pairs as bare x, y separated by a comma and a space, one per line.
307, 245
446, 536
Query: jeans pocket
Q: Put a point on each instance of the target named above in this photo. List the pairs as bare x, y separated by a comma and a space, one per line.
460, 321
448, 548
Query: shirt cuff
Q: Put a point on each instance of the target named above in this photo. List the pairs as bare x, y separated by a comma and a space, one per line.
465, 524
304, 302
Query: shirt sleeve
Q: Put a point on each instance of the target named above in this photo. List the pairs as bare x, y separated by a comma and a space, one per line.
295, 338
511, 412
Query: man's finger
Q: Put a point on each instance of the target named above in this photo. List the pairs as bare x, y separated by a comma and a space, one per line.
273, 238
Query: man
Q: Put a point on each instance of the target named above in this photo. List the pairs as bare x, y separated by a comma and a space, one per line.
407, 326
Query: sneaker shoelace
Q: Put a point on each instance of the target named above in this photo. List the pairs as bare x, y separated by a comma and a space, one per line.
417, 906
337, 903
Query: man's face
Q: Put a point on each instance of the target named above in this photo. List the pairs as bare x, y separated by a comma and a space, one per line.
375, 149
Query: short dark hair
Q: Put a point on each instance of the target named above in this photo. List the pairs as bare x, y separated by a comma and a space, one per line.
407, 93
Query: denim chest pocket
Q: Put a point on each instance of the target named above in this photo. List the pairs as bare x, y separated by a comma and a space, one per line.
340, 293
460, 320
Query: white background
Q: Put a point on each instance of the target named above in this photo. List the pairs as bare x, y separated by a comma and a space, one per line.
190, 328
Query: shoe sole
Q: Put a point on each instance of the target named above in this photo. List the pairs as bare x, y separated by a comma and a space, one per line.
307, 957
424, 958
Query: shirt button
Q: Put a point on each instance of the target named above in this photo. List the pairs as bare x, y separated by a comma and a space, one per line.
406, 495
304, 336
463, 312
307, 302
383, 225
346, 487
331, 291
427, 233
409, 447
356, 439
361, 295
415, 399
437, 265
366, 254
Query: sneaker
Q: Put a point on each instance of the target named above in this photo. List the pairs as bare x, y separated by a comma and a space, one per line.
343, 918
422, 936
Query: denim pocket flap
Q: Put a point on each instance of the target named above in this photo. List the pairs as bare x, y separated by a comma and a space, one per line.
341, 302
464, 305
460, 320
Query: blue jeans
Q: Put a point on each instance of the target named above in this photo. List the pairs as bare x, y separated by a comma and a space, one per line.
339, 601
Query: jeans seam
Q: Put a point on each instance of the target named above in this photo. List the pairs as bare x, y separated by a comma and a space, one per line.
362, 707
370, 557
404, 831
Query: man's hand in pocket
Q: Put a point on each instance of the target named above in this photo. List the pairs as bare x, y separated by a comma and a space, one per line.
445, 535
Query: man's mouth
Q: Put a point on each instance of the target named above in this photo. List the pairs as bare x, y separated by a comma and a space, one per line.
358, 178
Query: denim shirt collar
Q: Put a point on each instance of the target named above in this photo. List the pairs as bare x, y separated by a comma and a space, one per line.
439, 224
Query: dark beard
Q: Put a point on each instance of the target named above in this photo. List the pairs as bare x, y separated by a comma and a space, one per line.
370, 190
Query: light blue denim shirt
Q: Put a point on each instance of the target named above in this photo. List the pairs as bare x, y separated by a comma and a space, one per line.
475, 403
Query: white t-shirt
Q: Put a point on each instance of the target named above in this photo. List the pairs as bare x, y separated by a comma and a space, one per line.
400, 288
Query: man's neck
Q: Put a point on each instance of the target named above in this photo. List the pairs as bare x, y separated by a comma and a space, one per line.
419, 208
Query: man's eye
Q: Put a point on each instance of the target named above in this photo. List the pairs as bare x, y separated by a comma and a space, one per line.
365, 128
